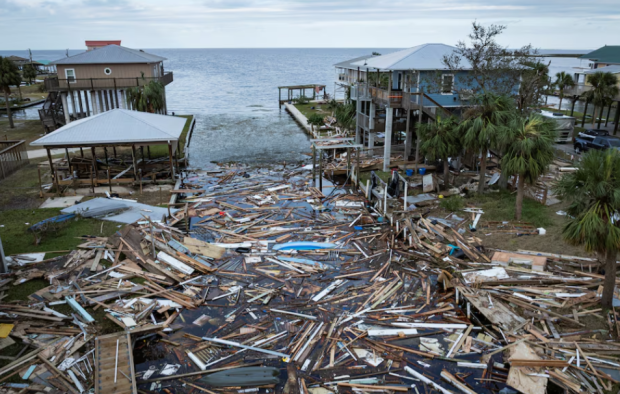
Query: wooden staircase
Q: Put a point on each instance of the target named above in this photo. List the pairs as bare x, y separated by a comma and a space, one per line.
52, 114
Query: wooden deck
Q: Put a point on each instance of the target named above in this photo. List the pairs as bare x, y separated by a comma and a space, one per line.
105, 366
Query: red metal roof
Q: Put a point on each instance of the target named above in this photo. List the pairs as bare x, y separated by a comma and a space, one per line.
97, 43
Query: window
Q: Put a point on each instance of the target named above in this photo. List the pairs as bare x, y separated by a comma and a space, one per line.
70, 75
447, 84
107, 71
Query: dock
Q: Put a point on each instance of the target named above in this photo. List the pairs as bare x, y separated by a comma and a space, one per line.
114, 369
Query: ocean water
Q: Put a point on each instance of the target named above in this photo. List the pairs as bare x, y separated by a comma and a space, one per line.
233, 94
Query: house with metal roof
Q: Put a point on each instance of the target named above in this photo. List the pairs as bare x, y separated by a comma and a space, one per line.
96, 81
394, 91
604, 56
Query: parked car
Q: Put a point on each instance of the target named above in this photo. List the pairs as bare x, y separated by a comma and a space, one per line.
584, 144
593, 133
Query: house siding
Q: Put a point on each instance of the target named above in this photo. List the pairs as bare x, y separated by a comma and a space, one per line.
87, 71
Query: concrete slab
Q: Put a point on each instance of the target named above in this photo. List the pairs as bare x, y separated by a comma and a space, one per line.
61, 202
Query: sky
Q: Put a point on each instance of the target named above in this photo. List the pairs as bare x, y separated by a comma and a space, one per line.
547, 24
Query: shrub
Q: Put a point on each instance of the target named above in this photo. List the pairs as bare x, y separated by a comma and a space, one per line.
452, 204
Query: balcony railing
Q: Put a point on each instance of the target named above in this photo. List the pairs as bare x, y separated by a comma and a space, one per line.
382, 96
364, 93
56, 84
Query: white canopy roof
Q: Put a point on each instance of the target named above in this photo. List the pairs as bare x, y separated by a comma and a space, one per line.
118, 126
421, 57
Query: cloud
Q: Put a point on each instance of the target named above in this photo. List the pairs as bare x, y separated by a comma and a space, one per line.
302, 23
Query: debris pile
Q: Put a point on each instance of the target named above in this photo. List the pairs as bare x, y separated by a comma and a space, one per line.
260, 282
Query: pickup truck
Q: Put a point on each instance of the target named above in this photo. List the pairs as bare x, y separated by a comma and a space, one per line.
584, 144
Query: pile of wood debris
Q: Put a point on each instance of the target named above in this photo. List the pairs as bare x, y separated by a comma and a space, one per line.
261, 269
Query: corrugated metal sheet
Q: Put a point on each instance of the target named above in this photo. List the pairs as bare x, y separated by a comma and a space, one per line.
117, 126
111, 54
421, 57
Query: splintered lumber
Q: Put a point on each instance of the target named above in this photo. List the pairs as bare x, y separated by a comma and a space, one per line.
203, 248
174, 263
498, 313
520, 378
109, 363
373, 387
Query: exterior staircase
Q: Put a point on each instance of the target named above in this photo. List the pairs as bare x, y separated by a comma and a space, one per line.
52, 114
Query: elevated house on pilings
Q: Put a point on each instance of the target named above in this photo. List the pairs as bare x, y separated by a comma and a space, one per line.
394, 92
607, 60
96, 81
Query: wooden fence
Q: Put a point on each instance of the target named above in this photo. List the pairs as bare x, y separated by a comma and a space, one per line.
13, 156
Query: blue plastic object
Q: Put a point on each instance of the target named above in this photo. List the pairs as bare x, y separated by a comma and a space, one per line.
422, 171
409, 172
55, 219
358, 228
304, 246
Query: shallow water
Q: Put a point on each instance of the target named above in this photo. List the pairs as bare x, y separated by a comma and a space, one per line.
233, 94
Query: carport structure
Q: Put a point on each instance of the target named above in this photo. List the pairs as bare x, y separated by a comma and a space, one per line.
114, 129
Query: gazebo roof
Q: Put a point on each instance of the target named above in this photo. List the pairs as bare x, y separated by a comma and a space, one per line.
116, 127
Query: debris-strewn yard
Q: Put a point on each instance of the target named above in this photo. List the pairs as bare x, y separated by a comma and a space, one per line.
260, 281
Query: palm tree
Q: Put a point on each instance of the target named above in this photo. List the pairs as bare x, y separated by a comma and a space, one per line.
345, 115
563, 81
440, 140
29, 73
147, 98
9, 76
529, 151
484, 124
604, 88
594, 194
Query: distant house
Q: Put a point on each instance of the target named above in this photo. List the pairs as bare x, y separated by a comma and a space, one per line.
94, 44
604, 56
96, 81
20, 62
400, 88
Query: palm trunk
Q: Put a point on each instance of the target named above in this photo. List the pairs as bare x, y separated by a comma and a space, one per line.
594, 115
609, 283
520, 187
560, 106
8, 110
19, 89
446, 174
483, 171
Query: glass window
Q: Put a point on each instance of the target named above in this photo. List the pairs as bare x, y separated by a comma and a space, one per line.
70, 74
447, 83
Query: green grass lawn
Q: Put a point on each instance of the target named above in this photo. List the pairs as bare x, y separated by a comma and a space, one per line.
28, 130
17, 239
500, 206
307, 110
162, 150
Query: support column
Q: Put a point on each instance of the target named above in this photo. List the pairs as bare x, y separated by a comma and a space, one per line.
86, 102
79, 96
387, 148
171, 162
123, 101
371, 139
116, 95
358, 109
408, 136
371, 116
101, 110
165, 103
73, 104
417, 133
65, 107
608, 113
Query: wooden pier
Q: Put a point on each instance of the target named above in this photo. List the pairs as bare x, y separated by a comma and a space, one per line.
114, 369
